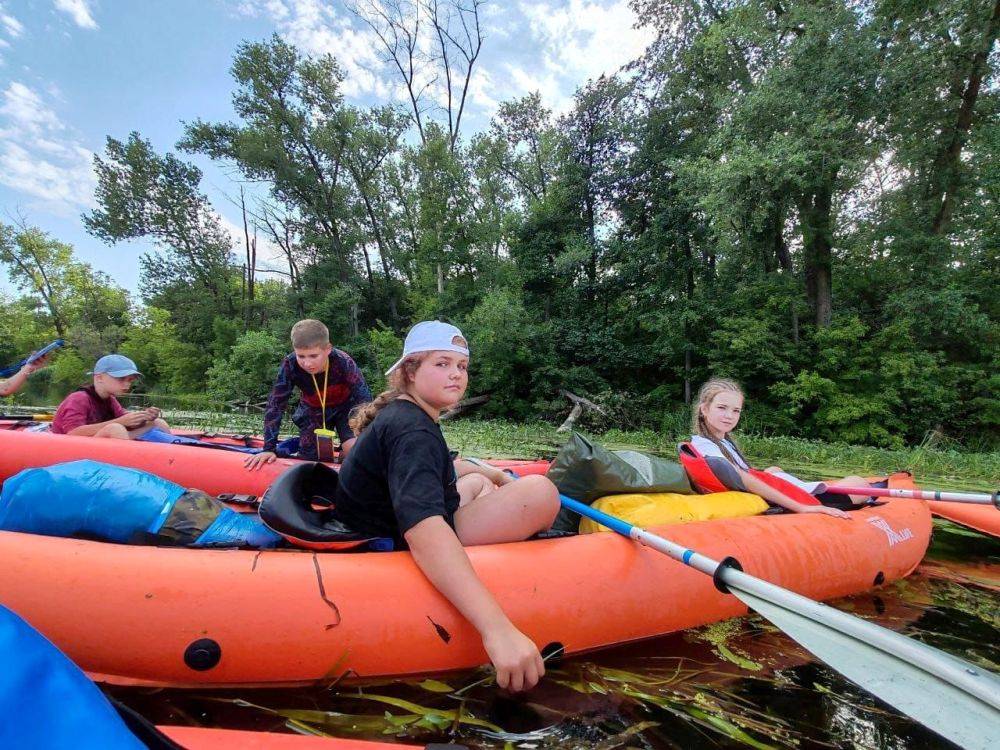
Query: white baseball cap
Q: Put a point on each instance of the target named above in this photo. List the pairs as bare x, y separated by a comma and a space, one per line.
430, 336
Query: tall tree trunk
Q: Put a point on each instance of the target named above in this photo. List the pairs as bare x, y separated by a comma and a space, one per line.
815, 217
785, 263
767, 239
383, 249
251, 265
592, 239
947, 169
689, 290
368, 265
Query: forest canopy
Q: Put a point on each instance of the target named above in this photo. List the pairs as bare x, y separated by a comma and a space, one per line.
802, 195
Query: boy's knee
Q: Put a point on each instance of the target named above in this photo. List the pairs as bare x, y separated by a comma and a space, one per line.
161, 425
113, 430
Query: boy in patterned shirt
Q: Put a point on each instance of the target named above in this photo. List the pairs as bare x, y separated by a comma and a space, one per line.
331, 385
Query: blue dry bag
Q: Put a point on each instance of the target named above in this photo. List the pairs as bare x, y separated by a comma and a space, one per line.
86, 499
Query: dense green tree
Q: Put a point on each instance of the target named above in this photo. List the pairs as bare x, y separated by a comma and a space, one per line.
800, 194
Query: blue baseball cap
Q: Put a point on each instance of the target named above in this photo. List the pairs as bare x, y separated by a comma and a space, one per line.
115, 365
431, 336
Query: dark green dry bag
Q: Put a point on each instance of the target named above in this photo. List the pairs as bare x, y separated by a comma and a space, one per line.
585, 471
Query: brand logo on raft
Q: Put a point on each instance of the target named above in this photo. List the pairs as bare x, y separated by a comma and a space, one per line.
892, 535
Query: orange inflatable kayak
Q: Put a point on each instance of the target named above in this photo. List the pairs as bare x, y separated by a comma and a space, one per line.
200, 617
212, 471
984, 518
198, 738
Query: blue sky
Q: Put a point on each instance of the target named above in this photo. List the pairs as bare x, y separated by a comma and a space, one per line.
73, 72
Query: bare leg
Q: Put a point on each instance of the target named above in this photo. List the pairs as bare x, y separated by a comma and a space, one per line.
157, 424
854, 481
113, 430
473, 486
508, 514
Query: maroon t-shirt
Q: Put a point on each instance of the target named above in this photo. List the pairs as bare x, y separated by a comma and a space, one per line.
85, 407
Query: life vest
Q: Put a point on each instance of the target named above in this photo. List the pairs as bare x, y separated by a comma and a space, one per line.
103, 405
716, 474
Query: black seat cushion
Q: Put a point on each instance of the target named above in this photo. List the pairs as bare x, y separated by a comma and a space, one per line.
288, 507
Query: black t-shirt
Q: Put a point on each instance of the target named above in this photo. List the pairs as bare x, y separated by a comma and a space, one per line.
398, 473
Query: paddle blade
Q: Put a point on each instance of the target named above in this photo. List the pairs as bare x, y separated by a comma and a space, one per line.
967, 720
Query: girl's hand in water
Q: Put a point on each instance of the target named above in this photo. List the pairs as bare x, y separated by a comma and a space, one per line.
518, 664
827, 511
773, 469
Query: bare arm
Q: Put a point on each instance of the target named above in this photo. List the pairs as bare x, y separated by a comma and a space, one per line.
16, 381
13, 383
440, 555
772, 495
495, 475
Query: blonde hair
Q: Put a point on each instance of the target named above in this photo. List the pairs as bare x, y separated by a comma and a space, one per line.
706, 394
309, 333
399, 379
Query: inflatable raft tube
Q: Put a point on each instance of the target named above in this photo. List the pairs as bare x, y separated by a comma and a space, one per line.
198, 738
197, 618
25, 424
211, 471
983, 518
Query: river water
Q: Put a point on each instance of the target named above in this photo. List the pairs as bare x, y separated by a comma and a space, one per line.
736, 684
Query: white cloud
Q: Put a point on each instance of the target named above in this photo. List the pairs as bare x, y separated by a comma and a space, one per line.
318, 27
79, 11
39, 156
552, 46
586, 38
64, 186
25, 109
556, 95
11, 25
482, 88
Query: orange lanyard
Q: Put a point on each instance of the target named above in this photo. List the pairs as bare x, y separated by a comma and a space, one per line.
322, 398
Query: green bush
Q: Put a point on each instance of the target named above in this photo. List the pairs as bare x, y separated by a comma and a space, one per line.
248, 372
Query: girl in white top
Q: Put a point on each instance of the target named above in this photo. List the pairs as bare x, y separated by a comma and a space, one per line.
716, 414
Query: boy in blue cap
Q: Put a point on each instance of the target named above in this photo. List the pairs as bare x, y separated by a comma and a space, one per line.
94, 411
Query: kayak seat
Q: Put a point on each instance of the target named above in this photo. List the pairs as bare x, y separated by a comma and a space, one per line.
289, 507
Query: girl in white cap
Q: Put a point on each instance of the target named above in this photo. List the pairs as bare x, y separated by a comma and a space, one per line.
400, 481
